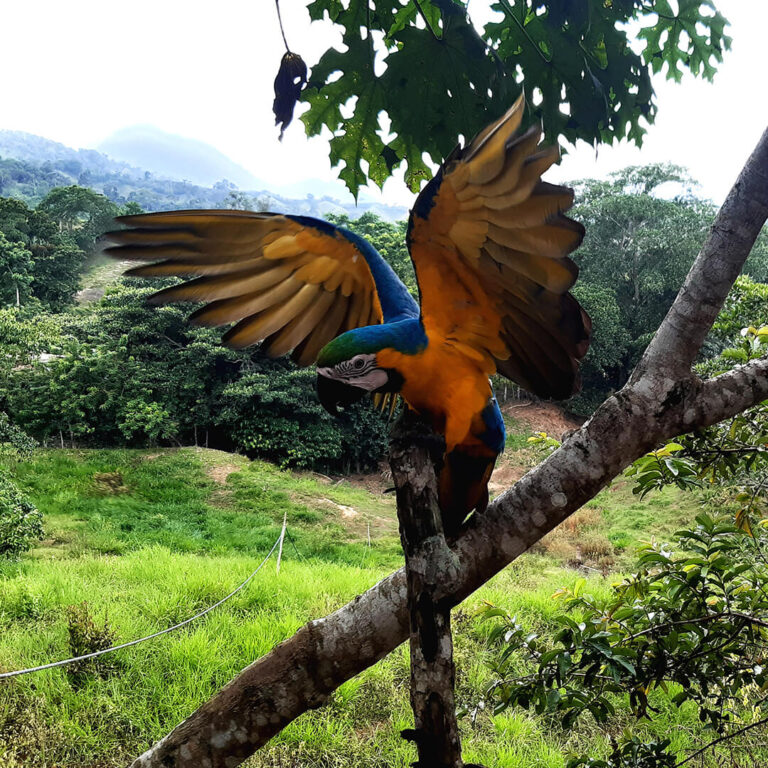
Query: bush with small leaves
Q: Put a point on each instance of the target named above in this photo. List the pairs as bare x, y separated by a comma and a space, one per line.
692, 623
86, 636
14, 442
21, 523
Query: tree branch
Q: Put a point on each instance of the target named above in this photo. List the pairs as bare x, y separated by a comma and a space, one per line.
661, 400
300, 673
726, 737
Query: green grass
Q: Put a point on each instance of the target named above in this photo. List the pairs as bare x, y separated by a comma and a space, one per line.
179, 533
170, 500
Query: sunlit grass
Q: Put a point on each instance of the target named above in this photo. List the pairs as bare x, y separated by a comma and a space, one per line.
186, 526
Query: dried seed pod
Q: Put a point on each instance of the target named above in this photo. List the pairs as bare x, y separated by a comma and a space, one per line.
291, 78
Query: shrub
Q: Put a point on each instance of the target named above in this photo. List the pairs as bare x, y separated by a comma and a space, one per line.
14, 442
21, 523
86, 636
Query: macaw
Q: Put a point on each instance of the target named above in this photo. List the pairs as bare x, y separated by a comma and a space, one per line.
489, 242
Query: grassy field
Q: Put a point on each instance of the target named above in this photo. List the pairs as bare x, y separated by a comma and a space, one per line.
145, 539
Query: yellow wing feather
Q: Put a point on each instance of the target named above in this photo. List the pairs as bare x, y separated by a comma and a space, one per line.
289, 281
489, 241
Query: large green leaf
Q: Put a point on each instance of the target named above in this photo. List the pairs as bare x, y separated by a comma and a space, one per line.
426, 68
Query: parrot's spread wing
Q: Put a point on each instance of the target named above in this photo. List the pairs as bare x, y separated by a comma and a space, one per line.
489, 241
291, 281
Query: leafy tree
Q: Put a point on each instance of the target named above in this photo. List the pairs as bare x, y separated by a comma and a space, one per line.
14, 442
610, 341
20, 521
636, 253
574, 60
128, 373
81, 212
48, 262
15, 273
691, 622
389, 239
131, 208
747, 304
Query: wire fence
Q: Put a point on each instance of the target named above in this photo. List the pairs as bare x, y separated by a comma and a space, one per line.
278, 543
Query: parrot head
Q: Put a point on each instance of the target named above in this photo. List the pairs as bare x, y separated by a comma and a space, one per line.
347, 367
349, 381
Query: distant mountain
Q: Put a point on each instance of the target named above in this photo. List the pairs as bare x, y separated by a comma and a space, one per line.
36, 149
30, 166
168, 154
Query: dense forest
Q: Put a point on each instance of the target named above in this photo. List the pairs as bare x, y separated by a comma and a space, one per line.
118, 372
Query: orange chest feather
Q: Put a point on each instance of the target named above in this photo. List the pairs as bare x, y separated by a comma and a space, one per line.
445, 385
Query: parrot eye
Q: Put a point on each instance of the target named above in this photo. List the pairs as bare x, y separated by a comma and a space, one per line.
359, 363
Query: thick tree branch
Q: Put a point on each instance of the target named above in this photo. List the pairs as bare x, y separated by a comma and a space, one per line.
663, 399
732, 392
300, 673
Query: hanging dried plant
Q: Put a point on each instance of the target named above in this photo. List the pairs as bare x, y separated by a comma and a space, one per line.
291, 78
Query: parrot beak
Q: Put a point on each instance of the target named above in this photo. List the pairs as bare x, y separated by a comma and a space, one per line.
333, 393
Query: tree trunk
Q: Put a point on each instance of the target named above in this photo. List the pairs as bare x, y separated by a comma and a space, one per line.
415, 452
662, 399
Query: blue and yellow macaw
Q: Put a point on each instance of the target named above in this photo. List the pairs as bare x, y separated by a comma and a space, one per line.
489, 243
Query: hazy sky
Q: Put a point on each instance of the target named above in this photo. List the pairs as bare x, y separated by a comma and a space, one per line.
81, 69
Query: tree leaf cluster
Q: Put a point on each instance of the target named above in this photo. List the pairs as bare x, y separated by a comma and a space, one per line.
728, 460
21, 523
415, 75
692, 623
644, 228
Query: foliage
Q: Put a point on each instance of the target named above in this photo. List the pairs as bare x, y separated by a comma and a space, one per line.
632, 752
39, 260
637, 251
16, 270
275, 414
14, 442
690, 622
126, 373
573, 58
21, 524
663, 467
731, 458
745, 305
389, 239
86, 636
81, 212
611, 340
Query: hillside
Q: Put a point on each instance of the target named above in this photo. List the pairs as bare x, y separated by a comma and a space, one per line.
30, 166
137, 540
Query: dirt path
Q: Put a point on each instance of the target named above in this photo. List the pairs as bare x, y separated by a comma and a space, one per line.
541, 417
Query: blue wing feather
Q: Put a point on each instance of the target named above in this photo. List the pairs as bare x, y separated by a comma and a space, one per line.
396, 303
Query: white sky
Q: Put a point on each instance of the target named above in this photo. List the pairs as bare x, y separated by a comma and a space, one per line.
81, 69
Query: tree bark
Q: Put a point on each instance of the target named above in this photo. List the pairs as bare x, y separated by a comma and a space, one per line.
662, 399
414, 453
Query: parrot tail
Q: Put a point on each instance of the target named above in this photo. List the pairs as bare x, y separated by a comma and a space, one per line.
463, 481
463, 486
